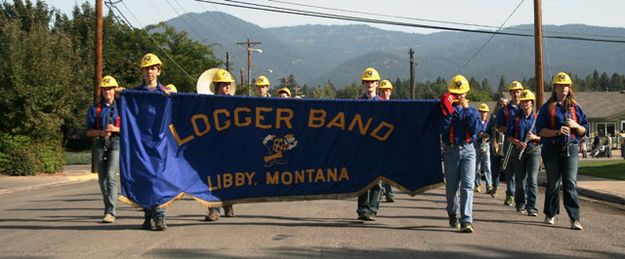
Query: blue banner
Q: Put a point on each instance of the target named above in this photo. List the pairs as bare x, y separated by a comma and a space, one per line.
226, 149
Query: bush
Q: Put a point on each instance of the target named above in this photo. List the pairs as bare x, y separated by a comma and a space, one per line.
18, 156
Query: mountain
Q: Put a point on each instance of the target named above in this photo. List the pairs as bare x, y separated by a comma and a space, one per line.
315, 54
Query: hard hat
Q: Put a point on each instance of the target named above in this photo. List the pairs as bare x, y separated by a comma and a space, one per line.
286, 90
172, 88
562, 79
527, 95
262, 81
386, 85
483, 107
108, 81
150, 60
223, 76
459, 85
370, 74
515, 85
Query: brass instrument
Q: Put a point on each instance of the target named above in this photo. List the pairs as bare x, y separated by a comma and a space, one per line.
205, 83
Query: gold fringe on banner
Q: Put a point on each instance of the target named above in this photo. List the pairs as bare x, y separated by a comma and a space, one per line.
337, 196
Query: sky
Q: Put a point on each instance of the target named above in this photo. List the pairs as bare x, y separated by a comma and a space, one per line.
485, 12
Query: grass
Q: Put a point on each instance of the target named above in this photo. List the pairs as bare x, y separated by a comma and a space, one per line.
611, 169
78, 158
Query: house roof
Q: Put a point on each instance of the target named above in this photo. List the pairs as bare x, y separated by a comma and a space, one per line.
596, 105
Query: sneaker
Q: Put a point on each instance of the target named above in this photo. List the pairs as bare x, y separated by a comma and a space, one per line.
367, 217
509, 200
453, 222
521, 210
229, 211
489, 190
390, 199
533, 214
362, 216
147, 224
575, 225
493, 193
550, 220
108, 218
466, 228
213, 215
159, 224
478, 188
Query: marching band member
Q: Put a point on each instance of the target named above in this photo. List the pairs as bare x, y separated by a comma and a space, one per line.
525, 157
369, 202
103, 124
561, 123
460, 129
503, 120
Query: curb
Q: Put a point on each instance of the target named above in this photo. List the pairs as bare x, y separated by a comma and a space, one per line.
87, 176
602, 196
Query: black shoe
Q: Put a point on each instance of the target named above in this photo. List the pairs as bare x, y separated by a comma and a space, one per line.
160, 224
453, 222
147, 224
213, 215
390, 199
229, 211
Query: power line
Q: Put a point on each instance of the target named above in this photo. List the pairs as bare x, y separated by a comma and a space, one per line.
490, 38
441, 21
387, 22
201, 26
154, 40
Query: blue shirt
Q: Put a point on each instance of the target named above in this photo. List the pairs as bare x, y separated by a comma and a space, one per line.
544, 121
159, 88
520, 125
366, 97
108, 115
465, 123
502, 120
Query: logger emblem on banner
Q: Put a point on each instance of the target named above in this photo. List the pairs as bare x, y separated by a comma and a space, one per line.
276, 147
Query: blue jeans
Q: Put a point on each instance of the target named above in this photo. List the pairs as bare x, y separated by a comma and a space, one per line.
495, 167
369, 202
483, 163
564, 168
153, 213
460, 174
388, 190
510, 170
107, 162
526, 178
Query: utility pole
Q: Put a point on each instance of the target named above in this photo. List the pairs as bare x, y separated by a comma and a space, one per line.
98, 69
538, 52
411, 52
249, 44
98, 51
242, 78
227, 61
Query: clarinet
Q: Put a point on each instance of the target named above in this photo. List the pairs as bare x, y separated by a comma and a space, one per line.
526, 140
567, 114
107, 140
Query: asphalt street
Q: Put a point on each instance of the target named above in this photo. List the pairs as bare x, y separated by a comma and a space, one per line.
62, 221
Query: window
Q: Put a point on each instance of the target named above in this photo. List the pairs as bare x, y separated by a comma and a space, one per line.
622, 124
607, 128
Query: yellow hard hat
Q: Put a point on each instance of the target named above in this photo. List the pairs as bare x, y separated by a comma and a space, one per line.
108, 81
483, 107
515, 85
527, 95
223, 76
172, 88
386, 85
458, 85
286, 90
370, 74
150, 60
562, 79
262, 81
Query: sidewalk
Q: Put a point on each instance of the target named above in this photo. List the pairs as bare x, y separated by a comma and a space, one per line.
592, 187
71, 174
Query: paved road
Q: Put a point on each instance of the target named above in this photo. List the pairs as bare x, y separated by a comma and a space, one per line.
61, 221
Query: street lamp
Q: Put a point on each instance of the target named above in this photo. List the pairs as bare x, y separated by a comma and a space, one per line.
249, 68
